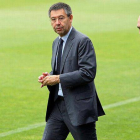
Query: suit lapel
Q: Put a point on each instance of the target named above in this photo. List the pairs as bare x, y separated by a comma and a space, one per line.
67, 48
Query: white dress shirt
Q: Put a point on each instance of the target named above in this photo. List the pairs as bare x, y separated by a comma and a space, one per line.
64, 38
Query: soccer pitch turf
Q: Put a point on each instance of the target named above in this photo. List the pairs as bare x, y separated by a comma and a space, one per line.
26, 37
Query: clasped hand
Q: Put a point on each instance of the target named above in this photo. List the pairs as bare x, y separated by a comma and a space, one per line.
47, 79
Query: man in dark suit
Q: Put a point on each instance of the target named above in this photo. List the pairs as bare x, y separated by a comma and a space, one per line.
73, 104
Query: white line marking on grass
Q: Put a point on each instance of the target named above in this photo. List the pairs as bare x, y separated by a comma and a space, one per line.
29, 127
122, 103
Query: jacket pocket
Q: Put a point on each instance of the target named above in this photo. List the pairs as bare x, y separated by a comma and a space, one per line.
84, 95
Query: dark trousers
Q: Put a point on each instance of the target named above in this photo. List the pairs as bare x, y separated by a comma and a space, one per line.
59, 125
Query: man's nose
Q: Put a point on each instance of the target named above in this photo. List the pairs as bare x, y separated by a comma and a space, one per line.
57, 21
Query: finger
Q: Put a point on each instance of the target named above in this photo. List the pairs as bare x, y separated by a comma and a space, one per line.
40, 81
41, 77
45, 82
45, 73
42, 86
44, 76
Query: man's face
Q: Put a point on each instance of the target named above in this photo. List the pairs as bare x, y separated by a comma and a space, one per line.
138, 25
60, 22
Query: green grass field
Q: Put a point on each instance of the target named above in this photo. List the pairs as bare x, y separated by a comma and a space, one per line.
25, 52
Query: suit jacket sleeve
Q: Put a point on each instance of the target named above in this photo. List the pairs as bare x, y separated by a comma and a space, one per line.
87, 66
51, 73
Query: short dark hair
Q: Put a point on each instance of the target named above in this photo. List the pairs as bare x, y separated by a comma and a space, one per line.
61, 5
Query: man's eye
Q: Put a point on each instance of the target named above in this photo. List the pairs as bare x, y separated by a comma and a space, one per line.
53, 19
61, 18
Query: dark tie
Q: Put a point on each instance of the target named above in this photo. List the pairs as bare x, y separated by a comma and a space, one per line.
60, 46
58, 64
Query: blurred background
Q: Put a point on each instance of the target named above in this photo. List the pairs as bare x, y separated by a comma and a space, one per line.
26, 38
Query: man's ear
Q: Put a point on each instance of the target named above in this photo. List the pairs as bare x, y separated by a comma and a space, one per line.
71, 18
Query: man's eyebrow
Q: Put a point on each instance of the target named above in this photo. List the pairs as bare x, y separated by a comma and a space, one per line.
58, 16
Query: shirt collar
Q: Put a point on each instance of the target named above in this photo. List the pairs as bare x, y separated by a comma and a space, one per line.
66, 36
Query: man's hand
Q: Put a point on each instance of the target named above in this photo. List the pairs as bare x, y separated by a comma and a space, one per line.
41, 77
50, 80
44, 74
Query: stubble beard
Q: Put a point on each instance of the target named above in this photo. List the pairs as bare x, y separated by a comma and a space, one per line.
61, 33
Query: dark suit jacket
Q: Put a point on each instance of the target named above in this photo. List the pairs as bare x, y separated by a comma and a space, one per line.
78, 70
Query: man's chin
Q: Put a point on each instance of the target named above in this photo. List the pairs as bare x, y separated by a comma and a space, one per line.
61, 33
58, 32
